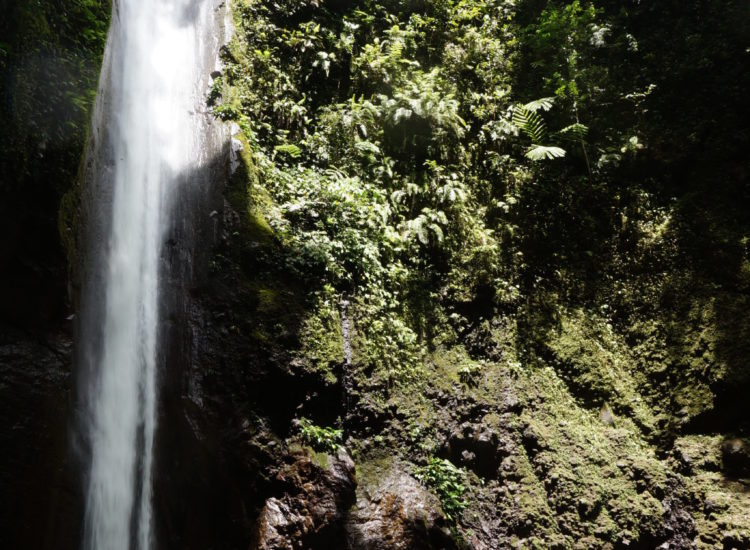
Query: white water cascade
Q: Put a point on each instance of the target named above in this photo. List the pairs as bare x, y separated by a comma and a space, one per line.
151, 136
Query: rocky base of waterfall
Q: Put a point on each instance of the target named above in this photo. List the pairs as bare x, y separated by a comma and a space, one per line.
327, 505
393, 510
310, 513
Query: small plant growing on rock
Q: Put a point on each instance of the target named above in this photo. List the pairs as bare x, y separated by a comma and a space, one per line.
326, 440
469, 374
448, 482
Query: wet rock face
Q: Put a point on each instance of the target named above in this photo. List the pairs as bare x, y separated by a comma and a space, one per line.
477, 447
319, 491
41, 505
394, 512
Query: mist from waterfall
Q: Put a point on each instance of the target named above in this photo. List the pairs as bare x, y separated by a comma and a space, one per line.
148, 135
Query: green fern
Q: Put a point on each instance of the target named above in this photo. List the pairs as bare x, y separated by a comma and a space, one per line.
289, 149
428, 222
449, 482
367, 147
530, 123
409, 190
527, 119
574, 132
327, 440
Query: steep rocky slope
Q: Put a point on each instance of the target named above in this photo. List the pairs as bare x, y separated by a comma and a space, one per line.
554, 351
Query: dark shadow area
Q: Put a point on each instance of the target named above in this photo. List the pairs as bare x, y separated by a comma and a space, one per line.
586, 239
49, 63
39, 474
50, 55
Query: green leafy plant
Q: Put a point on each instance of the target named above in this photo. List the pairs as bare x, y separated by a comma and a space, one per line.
321, 439
227, 112
469, 374
390, 345
422, 117
428, 223
448, 482
574, 132
289, 149
527, 119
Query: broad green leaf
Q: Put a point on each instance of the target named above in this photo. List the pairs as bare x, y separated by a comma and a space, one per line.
542, 152
544, 104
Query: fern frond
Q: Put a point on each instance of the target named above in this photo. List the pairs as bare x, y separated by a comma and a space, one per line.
290, 149
398, 196
367, 147
412, 189
421, 231
574, 132
438, 231
502, 126
530, 123
335, 174
402, 114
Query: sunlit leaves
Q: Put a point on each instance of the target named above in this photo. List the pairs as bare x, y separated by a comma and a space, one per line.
323, 60
543, 152
528, 120
542, 104
367, 147
428, 225
448, 482
423, 98
289, 149
321, 439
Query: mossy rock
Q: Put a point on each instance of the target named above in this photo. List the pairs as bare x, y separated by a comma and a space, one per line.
322, 341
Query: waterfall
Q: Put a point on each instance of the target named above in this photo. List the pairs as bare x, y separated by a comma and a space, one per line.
151, 139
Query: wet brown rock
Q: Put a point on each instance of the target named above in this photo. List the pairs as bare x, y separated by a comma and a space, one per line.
310, 514
394, 512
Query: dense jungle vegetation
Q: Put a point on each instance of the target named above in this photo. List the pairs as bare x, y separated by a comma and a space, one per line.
504, 243
537, 195
446, 163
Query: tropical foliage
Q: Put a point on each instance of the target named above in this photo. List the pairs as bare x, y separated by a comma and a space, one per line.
321, 439
408, 145
447, 481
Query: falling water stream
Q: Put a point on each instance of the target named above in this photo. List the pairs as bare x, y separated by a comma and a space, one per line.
150, 137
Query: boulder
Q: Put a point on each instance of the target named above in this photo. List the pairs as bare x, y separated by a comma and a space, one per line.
394, 512
312, 511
